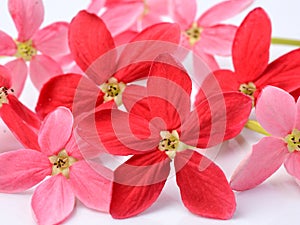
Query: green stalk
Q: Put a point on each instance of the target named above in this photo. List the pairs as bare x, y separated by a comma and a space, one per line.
255, 126
285, 41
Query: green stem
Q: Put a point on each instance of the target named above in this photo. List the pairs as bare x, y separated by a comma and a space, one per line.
255, 126
285, 41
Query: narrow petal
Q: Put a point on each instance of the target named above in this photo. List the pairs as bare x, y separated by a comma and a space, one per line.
138, 183
22, 169
42, 68
276, 111
95, 6
55, 131
203, 61
297, 122
8, 46
22, 131
27, 16
252, 42
216, 119
53, 39
292, 164
53, 201
92, 184
183, 14
266, 157
136, 58
88, 44
5, 77
217, 40
204, 191
223, 11
124, 37
19, 73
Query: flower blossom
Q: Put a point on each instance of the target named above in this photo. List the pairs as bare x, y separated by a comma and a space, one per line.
279, 115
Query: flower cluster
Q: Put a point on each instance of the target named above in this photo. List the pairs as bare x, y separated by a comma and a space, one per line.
113, 88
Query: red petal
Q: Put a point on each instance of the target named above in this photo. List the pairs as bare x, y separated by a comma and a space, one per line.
73, 91
22, 169
138, 183
89, 39
250, 52
136, 58
204, 191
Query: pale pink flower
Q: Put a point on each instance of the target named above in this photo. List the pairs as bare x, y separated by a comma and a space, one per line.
279, 115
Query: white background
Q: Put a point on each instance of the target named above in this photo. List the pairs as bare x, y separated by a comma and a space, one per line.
276, 201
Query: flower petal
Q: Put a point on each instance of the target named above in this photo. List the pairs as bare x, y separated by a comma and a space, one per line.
88, 44
138, 183
266, 157
92, 184
22, 131
204, 191
95, 6
27, 16
183, 14
252, 42
276, 111
19, 73
292, 164
217, 40
5, 77
53, 201
42, 68
203, 61
55, 131
22, 169
53, 39
297, 122
8, 46
223, 11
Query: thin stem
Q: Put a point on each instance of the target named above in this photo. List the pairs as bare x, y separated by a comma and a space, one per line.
255, 126
285, 41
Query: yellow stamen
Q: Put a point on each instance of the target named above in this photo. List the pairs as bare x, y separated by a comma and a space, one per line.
194, 33
25, 50
3, 95
293, 141
113, 90
248, 89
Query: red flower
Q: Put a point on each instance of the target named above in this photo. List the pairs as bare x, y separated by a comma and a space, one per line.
250, 54
160, 127
94, 51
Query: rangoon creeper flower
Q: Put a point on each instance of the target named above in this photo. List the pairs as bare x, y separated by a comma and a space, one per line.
160, 128
40, 47
94, 51
279, 115
57, 156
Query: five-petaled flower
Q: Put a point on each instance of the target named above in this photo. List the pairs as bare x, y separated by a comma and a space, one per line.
279, 115
57, 155
158, 128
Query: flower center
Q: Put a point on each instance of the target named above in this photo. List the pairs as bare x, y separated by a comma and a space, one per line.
3, 95
194, 33
25, 50
113, 90
248, 89
293, 141
61, 163
170, 143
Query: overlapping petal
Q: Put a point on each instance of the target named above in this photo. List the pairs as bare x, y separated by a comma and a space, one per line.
292, 164
8, 46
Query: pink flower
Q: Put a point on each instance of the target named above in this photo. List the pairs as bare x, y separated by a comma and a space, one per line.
58, 156
205, 35
279, 115
39, 47
158, 128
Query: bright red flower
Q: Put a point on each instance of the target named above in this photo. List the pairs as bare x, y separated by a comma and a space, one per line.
94, 51
250, 55
39, 47
160, 127
59, 156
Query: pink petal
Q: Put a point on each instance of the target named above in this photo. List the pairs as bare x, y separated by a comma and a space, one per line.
203, 62
252, 42
8, 46
182, 13
276, 111
42, 68
53, 201
138, 183
217, 40
22, 131
27, 16
7, 139
292, 164
53, 39
95, 6
5, 77
222, 11
204, 191
92, 184
19, 73
297, 122
266, 157
55, 131
22, 169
